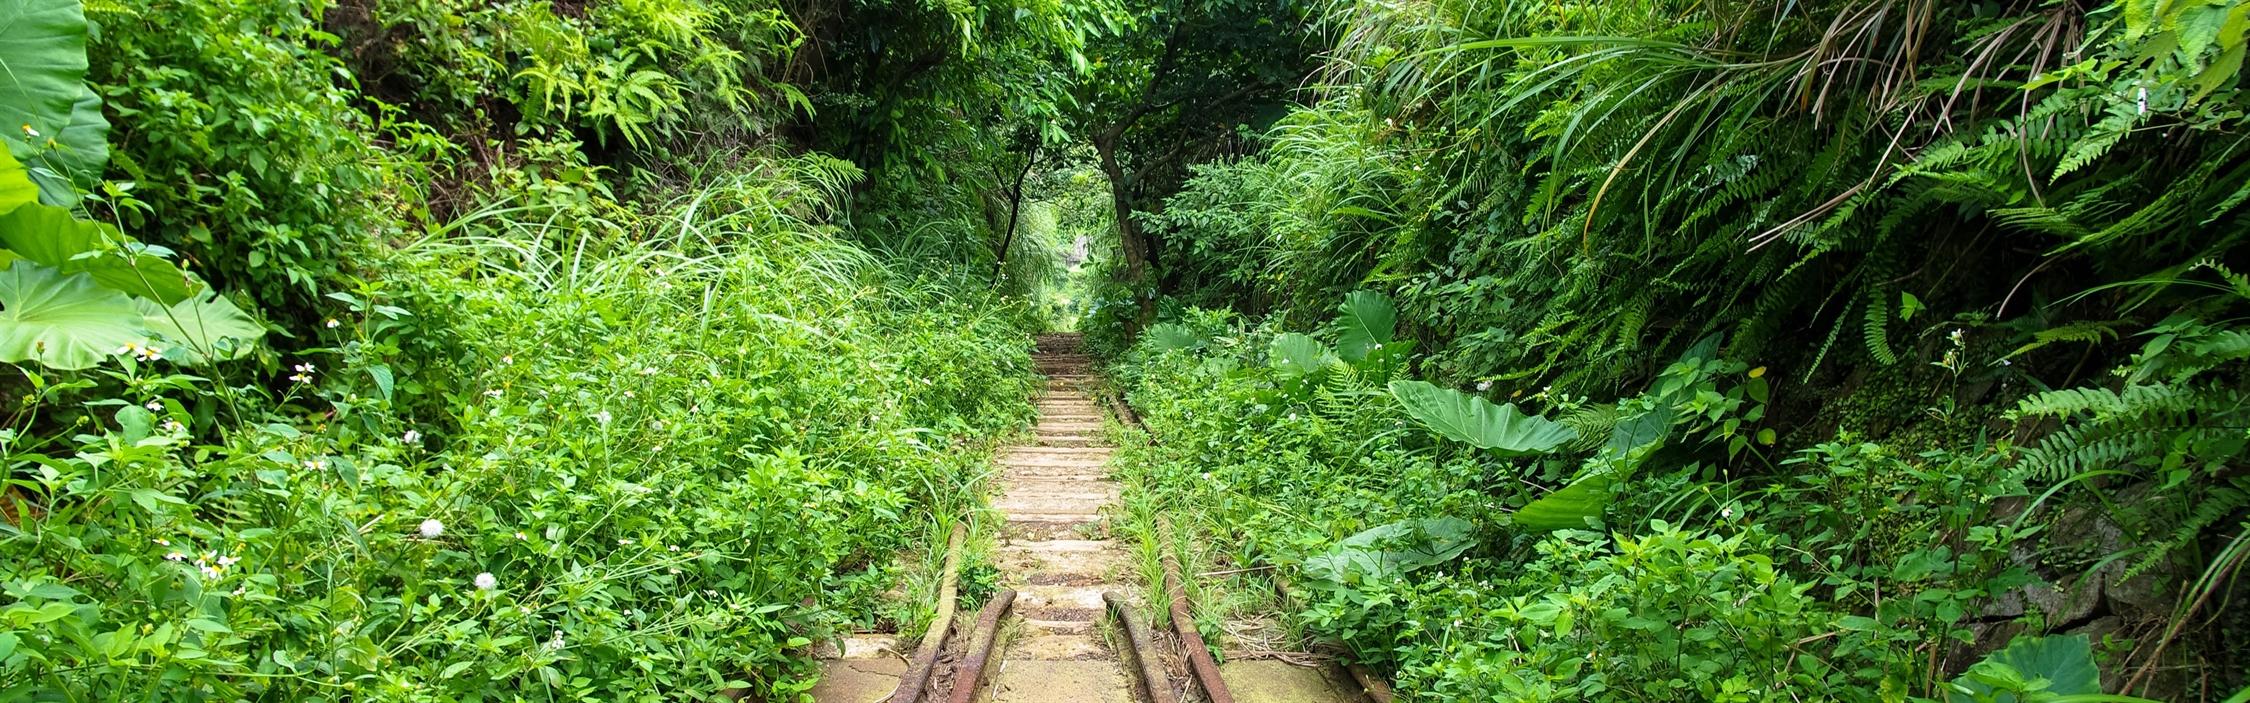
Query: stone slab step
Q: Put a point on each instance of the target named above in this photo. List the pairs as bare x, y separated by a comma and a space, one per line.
1040, 649
1092, 465
1089, 598
857, 680
1053, 425
1055, 474
1029, 487
1271, 681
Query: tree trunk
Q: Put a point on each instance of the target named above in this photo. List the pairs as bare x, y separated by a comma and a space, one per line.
1132, 242
1015, 211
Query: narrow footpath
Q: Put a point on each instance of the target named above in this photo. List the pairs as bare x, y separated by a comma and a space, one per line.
1055, 551
1058, 644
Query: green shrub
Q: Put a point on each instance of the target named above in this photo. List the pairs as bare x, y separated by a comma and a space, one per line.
663, 463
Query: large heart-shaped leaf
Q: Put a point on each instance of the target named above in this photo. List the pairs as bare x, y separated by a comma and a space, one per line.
206, 326
1173, 335
16, 188
1369, 321
48, 117
1390, 550
1576, 506
1466, 418
50, 236
62, 321
74, 158
2065, 662
1296, 355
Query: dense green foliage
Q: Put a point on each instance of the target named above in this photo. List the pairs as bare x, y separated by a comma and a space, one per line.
1828, 292
462, 351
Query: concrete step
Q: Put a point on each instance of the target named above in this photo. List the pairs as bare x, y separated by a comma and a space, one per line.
1272, 681
1026, 652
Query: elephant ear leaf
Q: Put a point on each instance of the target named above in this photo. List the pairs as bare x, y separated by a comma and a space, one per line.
1174, 336
1369, 322
1576, 506
16, 188
49, 236
1466, 418
49, 119
2064, 662
62, 321
1296, 355
206, 326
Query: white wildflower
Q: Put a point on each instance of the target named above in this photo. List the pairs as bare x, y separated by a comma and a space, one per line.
332, 323
486, 581
175, 556
411, 437
432, 529
155, 406
602, 417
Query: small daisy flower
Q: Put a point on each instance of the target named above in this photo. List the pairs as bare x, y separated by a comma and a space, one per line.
602, 417
175, 556
494, 393
411, 437
520, 537
332, 323
486, 581
28, 131
432, 529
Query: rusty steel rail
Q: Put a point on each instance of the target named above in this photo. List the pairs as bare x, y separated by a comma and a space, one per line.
925, 657
1191, 640
969, 674
1153, 680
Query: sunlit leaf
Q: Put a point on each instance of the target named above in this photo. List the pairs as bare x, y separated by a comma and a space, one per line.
206, 326
1369, 322
60, 320
1296, 355
50, 236
1466, 418
47, 114
1576, 506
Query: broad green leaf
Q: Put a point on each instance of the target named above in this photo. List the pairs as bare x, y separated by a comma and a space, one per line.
1296, 355
43, 94
76, 155
50, 236
1393, 549
16, 187
61, 321
194, 330
1172, 335
1573, 507
1369, 322
1466, 418
2065, 662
